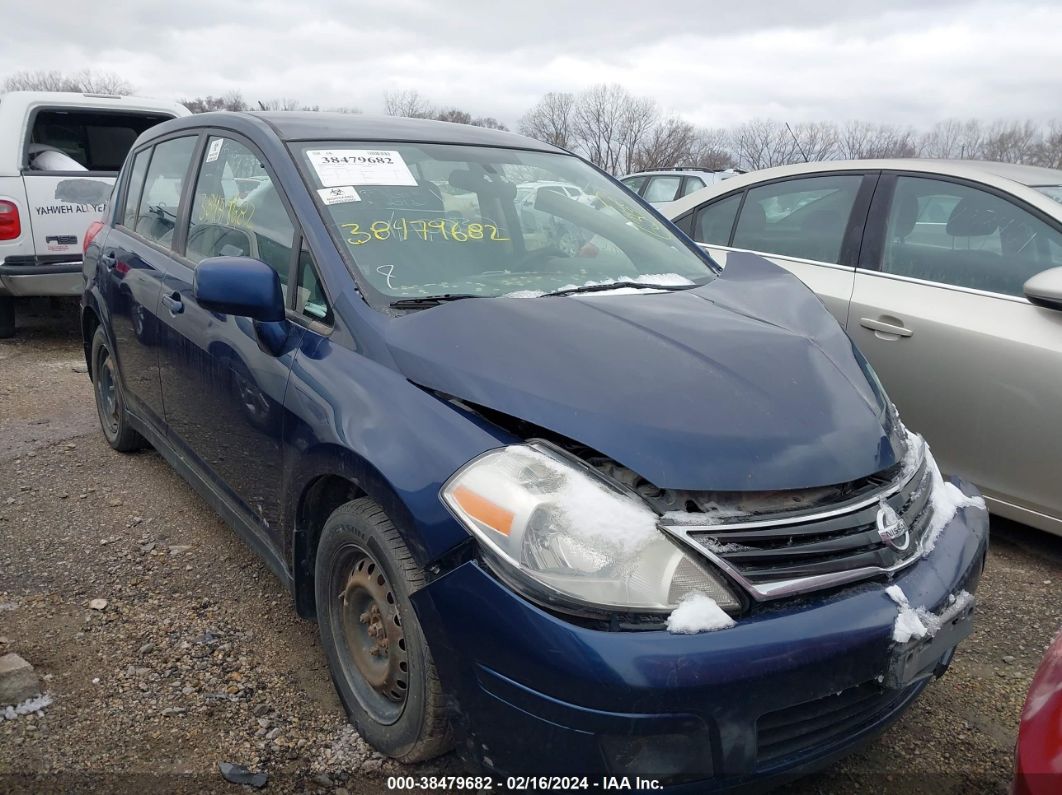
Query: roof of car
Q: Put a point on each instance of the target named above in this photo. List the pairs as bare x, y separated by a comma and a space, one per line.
1009, 176
321, 126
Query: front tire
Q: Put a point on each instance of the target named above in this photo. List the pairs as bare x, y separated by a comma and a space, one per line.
379, 659
110, 402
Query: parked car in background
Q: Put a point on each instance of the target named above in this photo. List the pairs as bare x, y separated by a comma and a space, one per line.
660, 188
59, 154
947, 276
579, 511
1038, 753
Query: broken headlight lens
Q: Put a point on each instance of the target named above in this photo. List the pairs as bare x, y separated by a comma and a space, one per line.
574, 536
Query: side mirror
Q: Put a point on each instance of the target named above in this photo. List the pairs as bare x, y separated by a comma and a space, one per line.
1045, 289
239, 286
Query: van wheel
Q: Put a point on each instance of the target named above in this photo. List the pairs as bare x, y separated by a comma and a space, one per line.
7, 317
377, 653
110, 404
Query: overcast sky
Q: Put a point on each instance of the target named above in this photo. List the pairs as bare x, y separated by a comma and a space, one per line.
715, 63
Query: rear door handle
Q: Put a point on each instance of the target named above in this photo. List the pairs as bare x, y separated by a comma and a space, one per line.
173, 303
885, 328
109, 260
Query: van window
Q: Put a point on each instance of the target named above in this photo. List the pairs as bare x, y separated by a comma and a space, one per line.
88, 140
157, 212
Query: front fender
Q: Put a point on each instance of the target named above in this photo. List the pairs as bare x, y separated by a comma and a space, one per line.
347, 415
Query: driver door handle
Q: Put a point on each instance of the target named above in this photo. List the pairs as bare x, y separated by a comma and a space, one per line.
885, 328
173, 303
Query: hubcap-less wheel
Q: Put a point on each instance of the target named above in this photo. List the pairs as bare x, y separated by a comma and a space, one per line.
107, 395
376, 663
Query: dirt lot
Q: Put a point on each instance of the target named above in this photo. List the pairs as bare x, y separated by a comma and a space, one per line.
199, 659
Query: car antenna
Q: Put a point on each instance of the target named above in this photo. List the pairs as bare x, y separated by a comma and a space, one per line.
803, 154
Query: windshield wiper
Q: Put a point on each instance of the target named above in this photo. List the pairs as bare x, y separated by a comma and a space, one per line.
597, 288
416, 302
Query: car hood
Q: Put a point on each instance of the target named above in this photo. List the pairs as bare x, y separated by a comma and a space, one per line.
744, 384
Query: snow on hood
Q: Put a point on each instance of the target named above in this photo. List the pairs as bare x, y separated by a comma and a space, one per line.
746, 383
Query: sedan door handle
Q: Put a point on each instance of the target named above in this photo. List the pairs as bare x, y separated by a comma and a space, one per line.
173, 303
108, 260
885, 328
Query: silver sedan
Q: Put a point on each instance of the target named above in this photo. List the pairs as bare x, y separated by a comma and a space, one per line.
948, 276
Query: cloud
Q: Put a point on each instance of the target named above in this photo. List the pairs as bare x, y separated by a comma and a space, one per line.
715, 63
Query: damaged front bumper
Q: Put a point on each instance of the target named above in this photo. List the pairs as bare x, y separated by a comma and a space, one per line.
794, 685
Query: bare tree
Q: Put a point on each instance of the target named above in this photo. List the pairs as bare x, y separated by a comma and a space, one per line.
488, 122
408, 103
551, 120
285, 103
1049, 152
454, 115
711, 151
860, 140
762, 143
609, 124
670, 143
232, 101
346, 109
1010, 142
953, 138
85, 81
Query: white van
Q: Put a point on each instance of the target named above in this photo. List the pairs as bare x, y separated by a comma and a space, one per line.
59, 156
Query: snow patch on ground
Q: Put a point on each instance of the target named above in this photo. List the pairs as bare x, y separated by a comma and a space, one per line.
946, 499
697, 612
26, 707
918, 622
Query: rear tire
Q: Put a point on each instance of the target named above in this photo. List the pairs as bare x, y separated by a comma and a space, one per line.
379, 659
7, 317
110, 402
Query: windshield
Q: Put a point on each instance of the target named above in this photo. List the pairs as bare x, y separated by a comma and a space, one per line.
1051, 191
424, 220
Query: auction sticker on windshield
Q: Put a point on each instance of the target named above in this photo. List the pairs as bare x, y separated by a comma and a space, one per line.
337, 167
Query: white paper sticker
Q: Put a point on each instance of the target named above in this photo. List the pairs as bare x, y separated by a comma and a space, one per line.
339, 195
338, 167
214, 150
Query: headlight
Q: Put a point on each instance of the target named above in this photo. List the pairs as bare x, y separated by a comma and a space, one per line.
573, 536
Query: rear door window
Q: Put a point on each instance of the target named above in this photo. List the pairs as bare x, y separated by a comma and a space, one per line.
134, 187
70, 139
160, 202
803, 218
715, 221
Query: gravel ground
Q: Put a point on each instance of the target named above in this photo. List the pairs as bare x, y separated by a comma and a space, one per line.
198, 657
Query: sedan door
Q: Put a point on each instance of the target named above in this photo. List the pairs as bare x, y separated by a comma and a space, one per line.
971, 364
810, 225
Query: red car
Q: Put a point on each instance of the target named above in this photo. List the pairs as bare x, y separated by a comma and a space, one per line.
1038, 756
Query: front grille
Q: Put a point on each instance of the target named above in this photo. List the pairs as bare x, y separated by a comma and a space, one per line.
804, 550
815, 724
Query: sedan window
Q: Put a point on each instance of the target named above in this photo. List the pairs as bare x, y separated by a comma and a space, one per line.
715, 221
804, 218
954, 234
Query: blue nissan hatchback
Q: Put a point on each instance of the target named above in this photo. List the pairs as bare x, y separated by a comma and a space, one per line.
557, 490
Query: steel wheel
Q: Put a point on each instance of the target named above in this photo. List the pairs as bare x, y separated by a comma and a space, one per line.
376, 660
107, 395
